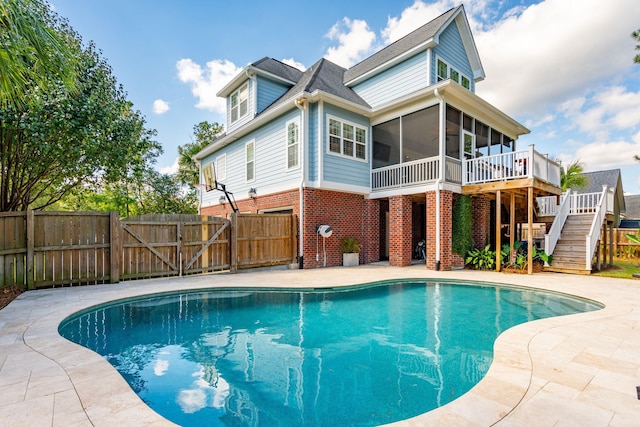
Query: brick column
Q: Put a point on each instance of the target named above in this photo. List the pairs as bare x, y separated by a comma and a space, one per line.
371, 232
481, 208
447, 258
400, 233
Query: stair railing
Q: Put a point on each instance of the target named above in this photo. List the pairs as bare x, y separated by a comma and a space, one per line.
551, 238
596, 227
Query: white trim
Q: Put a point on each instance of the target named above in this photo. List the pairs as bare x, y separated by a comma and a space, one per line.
419, 189
282, 208
238, 91
295, 121
355, 126
246, 161
347, 188
320, 141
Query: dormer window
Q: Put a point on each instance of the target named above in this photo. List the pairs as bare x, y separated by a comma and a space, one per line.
445, 71
240, 103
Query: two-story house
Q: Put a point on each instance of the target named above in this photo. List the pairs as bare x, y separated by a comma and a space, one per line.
379, 151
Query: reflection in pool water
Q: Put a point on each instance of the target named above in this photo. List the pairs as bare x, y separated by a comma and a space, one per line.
366, 356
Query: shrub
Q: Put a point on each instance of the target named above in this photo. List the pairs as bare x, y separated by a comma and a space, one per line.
482, 259
349, 245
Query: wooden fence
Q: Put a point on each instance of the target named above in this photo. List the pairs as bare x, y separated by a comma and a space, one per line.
622, 247
44, 249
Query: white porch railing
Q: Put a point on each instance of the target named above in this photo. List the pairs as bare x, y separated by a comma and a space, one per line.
500, 167
407, 174
547, 205
596, 226
562, 212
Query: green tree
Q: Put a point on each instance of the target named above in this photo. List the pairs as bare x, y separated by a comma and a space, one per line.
204, 133
60, 140
636, 36
32, 48
572, 176
164, 194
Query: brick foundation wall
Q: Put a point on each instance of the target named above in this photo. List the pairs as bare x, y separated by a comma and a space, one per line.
284, 199
481, 208
400, 233
346, 213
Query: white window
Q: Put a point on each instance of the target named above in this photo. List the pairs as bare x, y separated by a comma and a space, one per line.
347, 139
469, 142
250, 161
240, 103
445, 71
221, 167
293, 144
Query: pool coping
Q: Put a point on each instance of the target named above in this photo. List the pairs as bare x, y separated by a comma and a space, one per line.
579, 369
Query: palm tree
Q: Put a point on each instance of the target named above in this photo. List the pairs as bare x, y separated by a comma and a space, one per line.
636, 37
31, 50
572, 176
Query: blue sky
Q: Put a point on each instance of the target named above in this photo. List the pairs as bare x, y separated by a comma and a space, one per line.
563, 68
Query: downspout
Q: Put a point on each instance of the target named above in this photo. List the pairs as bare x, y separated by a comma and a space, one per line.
300, 103
440, 173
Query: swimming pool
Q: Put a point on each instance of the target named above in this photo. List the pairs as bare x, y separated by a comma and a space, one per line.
367, 355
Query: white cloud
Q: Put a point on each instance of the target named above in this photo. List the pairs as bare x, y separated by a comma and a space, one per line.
160, 367
206, 83
606, 155
295, 64
355, 42
160, 106
170, 170
555, 50
413, 17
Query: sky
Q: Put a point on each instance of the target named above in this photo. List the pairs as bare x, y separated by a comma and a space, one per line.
563, 68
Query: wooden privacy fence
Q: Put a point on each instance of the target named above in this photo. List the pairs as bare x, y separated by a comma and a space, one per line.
623, 247
44, 249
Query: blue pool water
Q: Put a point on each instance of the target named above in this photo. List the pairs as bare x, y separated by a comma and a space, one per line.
361, 356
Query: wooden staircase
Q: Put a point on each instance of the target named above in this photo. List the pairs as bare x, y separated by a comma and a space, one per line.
570, 253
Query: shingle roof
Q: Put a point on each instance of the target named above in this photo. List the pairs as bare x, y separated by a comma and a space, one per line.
324, 76
633, 206
595, 180
278, 68
397, 48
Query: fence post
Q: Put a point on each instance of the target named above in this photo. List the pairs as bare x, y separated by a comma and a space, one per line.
233, 243
114, 241
30, 249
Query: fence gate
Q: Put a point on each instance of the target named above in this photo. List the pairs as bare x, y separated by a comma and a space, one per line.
173, 245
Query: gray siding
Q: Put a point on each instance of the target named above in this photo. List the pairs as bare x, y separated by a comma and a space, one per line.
451, 50
340, 169
270, 162
268, 92
400, 80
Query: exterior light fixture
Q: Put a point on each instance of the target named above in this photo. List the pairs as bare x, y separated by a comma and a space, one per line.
222, 199
252, 193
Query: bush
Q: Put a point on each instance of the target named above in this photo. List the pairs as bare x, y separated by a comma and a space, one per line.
482, 259
462, 233
349, 245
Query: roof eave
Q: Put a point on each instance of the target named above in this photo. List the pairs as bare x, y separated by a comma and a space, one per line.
411, 52
258, 121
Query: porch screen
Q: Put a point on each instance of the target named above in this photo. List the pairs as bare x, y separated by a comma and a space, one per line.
386, 144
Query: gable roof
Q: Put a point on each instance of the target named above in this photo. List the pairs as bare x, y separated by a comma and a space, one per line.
595, 180
323, 76
632, 203
416, 41
267, 67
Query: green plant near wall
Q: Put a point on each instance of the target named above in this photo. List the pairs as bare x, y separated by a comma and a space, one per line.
635, 238
462, 233
349, 245
482, 259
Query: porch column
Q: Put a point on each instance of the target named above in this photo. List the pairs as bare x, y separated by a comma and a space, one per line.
498, 229
400, 233
372, 229
447, 258
530, 234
